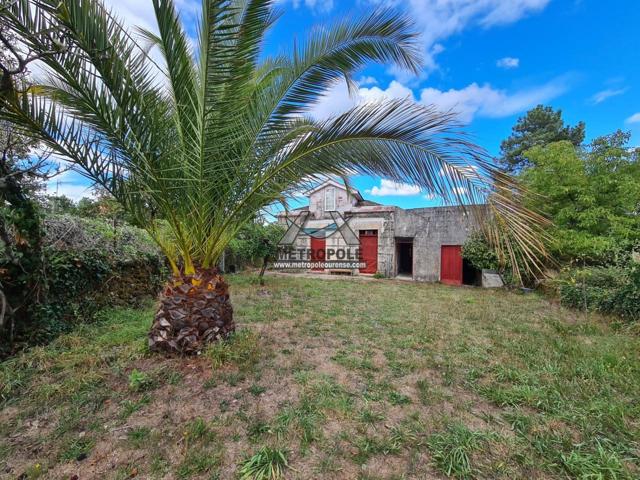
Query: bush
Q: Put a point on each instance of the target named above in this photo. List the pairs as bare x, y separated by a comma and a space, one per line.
479, 253
253, 242
611, 290
89, 265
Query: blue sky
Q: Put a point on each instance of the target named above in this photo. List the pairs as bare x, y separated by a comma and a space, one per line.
490, 60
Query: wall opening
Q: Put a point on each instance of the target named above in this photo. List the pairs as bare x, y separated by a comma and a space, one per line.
404, 251
470, 274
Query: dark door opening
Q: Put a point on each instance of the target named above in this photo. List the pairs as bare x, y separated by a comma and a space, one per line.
405, 257
470, 274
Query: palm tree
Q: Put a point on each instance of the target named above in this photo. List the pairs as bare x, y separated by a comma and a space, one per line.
204, 138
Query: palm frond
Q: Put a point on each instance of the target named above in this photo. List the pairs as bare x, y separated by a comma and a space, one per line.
226, 134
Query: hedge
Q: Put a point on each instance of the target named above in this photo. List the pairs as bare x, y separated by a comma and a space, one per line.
90, 264
611, 290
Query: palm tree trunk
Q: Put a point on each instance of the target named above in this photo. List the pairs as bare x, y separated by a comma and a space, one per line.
195, 310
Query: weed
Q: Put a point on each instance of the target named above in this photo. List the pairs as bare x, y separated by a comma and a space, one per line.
396, 398
450, 449
367, 415
256, 390
267, 464
77, 449
131, 406
429, 394
140, 381
242, 350
138, 436
197, 462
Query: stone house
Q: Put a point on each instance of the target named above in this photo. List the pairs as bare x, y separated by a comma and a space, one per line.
421, 243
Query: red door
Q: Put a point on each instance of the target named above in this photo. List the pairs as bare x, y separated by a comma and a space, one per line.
318, 250
451, 265
369, 250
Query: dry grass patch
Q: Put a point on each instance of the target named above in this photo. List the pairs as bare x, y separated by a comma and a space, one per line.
339, 379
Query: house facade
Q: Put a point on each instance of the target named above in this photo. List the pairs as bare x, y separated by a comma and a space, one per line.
423, 244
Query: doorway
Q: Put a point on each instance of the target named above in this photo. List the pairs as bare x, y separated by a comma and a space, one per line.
404, 251
451, 264
369, 250
318, 249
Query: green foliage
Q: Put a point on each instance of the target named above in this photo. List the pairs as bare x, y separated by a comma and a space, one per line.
252, 244
140, 381
591, 195
479, 253
539, 127
241, 349
612, 290
228, 134
89, 265
267, 464
451, 449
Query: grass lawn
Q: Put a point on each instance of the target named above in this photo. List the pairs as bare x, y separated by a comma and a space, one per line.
335, 379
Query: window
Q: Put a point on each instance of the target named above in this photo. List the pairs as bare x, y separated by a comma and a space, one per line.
329, 199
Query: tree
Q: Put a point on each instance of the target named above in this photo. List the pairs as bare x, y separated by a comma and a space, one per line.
591, 194
540, 126
216, 132
22, 175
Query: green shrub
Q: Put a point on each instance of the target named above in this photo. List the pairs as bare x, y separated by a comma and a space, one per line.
611, 290
479, 253
89, 264
253, 242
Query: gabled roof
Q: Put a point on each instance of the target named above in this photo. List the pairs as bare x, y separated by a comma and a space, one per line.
331, 182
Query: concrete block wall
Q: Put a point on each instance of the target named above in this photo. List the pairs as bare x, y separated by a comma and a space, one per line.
431, 228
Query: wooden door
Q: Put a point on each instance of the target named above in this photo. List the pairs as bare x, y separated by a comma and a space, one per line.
451, 265
369, 250
318, 250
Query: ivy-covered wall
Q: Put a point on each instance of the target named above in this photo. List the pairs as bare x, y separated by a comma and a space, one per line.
88, 264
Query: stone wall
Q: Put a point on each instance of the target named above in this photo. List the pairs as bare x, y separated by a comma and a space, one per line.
381, 220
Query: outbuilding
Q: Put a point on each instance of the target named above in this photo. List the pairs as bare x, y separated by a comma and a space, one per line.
422, 244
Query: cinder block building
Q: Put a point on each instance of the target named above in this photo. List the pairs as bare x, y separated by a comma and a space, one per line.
423, 244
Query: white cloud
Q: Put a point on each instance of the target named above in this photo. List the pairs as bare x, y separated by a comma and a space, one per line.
468, 102
367, 80
318, 5
486, 101
508, 62
441, 19
391, 188
635, 118
606, 94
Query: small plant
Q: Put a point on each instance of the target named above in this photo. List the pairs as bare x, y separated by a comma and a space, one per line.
369, 416
138, 436
450, 450
140, 381
129, 406
198, 430
378, 275
241, 349
396, 398
257, 390
78, 449
268, 464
